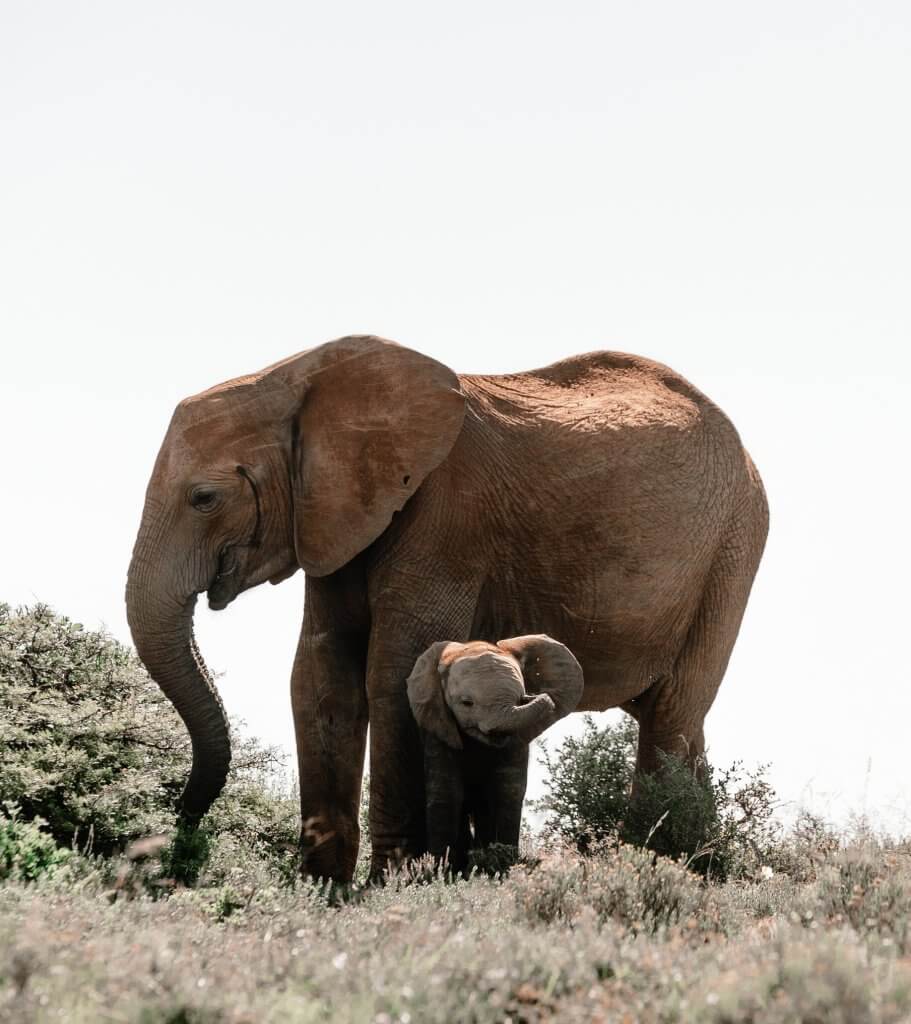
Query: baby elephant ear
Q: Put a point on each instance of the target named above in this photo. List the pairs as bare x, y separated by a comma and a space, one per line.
548, 667
425, 695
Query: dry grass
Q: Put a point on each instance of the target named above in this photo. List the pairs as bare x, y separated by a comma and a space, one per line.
612, 939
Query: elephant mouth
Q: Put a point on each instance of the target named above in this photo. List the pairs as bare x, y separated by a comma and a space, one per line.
494, 738
225, 584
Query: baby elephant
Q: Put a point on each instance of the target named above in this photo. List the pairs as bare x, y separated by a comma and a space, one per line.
479, 706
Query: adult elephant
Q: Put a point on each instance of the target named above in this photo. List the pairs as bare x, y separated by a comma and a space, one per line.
602, 500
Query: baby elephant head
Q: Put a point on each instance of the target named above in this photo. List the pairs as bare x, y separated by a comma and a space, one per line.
496, 693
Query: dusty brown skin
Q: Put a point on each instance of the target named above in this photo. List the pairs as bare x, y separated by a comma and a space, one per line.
602, 500
477, 717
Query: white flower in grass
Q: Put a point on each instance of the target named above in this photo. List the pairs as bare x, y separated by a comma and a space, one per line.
766, 872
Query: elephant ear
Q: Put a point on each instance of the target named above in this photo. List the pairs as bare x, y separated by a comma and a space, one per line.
372, 420
425, 695
548, 667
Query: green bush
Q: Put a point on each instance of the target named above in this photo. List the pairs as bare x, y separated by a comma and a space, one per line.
676, 813
90, 745
26, 852
588, 782
720, 822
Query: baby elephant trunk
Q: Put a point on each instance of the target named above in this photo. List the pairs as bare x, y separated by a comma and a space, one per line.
528, 719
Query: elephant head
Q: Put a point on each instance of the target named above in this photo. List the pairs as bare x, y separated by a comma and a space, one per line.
299, 466
495, 693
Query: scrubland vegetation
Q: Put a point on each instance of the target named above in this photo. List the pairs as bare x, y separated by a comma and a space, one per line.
688, 904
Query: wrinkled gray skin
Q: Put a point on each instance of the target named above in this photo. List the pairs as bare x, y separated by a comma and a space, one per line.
486, 694
602, 499
477, 720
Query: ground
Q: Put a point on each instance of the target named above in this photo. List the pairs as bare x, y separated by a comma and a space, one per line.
619, 937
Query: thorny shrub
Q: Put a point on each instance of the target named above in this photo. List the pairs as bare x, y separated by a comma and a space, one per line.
721, 822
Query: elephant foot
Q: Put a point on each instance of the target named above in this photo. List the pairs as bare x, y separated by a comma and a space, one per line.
327, 853
400, 854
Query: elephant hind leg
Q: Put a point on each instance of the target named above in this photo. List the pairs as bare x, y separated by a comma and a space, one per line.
672, 712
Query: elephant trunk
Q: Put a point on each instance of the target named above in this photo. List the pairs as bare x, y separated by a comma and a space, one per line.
527, 720
162, 629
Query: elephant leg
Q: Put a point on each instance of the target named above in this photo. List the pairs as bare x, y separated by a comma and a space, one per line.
672, 712
447, 823
499, 815
511, 782
329, 704
397, 638
397, 798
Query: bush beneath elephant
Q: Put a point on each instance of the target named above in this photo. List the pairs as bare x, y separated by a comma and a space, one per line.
721, 822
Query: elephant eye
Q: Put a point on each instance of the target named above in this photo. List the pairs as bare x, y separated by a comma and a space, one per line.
467, 702
203, 498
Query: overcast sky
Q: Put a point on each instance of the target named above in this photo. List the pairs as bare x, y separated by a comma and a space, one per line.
190, 191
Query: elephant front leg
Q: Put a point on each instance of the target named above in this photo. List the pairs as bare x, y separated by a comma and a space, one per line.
397, 794
498, 818
329, 703
446, 822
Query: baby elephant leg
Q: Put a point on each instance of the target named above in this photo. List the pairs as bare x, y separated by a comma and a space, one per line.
447, 815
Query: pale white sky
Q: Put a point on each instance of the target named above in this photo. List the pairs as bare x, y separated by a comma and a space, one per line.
192, 191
